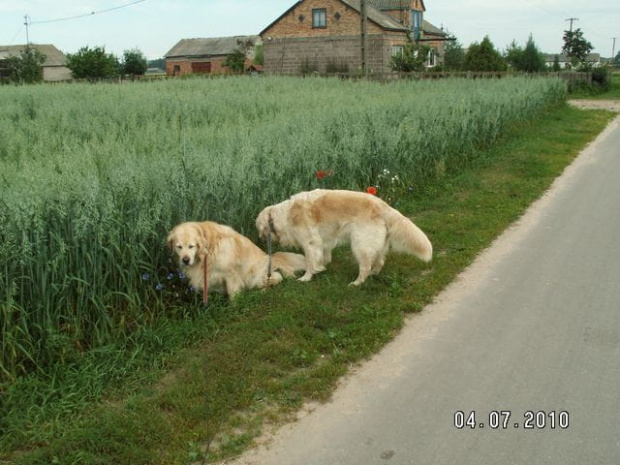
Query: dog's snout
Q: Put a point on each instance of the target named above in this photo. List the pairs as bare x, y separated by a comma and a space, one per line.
185, 260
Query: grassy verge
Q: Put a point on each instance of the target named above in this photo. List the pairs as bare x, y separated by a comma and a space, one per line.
173, 395
596, 94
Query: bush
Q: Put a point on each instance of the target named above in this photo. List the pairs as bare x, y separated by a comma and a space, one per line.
601, 77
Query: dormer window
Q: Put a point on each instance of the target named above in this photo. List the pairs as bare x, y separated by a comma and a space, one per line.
416, 24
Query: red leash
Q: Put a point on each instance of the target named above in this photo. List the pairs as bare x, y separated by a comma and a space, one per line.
205, 284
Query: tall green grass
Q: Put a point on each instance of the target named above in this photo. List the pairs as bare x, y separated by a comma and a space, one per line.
92, 177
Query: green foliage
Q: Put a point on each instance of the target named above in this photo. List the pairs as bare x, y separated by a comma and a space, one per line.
576, 46
601, 77
484, 57
556, 64
412, 58
92, 64
529, 60
134, 63
259, 55
454, 55
235, 62
25, 68
92, 178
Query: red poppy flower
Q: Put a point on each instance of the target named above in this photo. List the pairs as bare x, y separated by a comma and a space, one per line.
371, 190
320, 174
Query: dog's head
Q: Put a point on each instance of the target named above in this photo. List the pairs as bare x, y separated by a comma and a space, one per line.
264, 224
189, 242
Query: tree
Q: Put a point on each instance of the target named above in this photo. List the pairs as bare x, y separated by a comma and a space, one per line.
576, 46
556, 64
26, 67
454, 55
92, 64
533, 60
616, 61
259, 55
412, 58
514, 55
235, 61
134, 62
529, 59
483, 57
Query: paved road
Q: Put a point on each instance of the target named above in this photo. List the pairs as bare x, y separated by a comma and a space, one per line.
533, 325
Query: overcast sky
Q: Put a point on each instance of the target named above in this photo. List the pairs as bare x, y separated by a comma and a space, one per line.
154, 26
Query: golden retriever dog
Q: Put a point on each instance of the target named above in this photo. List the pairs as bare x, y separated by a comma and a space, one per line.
234, 263
319, 220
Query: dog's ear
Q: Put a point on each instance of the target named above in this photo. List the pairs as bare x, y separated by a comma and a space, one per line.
204, 237
170, 240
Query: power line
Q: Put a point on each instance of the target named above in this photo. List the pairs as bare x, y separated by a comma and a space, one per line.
92, 13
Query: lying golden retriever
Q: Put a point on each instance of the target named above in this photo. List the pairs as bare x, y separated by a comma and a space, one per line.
319, 220
234, 263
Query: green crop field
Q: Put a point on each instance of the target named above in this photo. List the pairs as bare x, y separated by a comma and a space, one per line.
92, 177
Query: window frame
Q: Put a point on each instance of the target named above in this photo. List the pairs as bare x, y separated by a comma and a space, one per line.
319, 18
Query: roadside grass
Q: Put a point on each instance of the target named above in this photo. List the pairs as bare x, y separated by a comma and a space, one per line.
202, 388
612, 94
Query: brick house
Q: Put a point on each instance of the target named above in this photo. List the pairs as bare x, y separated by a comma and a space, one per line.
54, 66
205, 56
325, 36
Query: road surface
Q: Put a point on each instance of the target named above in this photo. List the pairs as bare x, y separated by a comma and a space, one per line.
527, 338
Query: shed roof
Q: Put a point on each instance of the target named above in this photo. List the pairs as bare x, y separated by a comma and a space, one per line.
208, 46
53, 56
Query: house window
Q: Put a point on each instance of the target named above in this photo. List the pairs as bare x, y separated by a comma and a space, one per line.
319, 18
431, 59
416, 24
397, 50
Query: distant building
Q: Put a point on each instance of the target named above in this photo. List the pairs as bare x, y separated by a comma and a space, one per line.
54, 67
205, 56
325, 36
565, 62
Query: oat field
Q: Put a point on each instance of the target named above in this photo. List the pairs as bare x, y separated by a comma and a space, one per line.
92, 177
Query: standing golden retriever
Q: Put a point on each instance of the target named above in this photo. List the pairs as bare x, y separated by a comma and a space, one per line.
319, 220
234, 263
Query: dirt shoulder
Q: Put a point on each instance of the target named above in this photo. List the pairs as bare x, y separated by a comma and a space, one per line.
612, 105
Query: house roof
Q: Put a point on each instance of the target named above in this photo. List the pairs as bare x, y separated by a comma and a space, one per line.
207, 47
428, 28
383, 20
53, 56
383, 5
550, 57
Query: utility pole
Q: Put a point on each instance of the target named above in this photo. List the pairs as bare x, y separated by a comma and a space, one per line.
613, 50
364, 14
571, 22
27, 23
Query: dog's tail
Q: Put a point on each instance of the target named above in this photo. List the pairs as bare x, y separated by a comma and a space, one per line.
404, 236
288, 263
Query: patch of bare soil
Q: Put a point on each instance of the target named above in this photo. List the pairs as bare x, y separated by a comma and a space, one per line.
611, 105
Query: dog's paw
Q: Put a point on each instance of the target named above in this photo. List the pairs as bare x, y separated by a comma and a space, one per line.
305, 278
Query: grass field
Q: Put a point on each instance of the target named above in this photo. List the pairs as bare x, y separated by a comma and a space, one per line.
93, 177
173, 382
